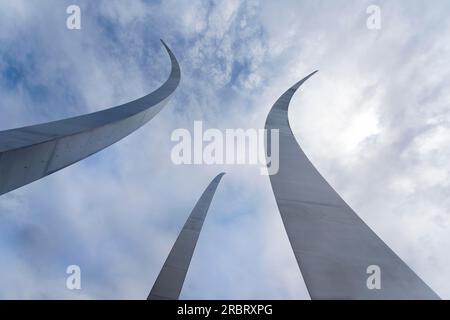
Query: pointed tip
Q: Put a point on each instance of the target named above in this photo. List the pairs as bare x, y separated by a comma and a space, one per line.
299, 83
218, 178
309, 76
166, 47
164, 44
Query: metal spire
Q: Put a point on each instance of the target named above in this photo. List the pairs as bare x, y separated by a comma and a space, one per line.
31, 153
335, 250
170, 280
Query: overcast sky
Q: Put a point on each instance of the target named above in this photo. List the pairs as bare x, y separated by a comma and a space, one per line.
374, 120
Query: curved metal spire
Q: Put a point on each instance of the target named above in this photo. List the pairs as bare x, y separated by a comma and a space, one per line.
31, 153
170, 280
334, 248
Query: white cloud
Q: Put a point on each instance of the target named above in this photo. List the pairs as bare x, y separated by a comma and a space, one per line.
374, 120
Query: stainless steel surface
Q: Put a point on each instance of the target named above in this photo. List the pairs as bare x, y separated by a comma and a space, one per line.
31, 153
332, 245
170, 280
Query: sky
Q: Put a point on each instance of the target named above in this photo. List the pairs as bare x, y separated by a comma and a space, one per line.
375, 121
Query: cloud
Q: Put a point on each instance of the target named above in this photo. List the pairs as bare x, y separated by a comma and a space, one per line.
374, 120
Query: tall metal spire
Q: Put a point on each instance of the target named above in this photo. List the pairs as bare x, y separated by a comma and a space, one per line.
170, 280
31, 153
335, 250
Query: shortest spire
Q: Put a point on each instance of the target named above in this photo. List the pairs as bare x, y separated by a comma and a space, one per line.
170, 280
